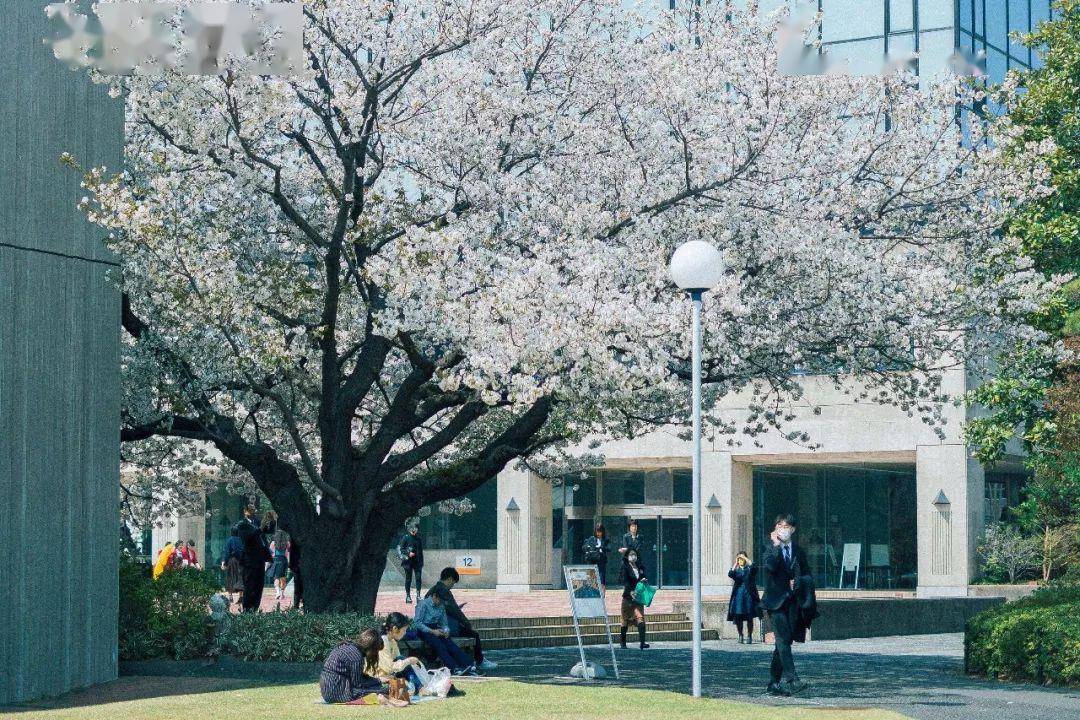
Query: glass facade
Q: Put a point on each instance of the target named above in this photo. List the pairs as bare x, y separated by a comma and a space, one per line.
984, 27
474, 530
1004, 490
869, 508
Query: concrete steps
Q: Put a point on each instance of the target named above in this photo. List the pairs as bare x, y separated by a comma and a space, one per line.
558, 631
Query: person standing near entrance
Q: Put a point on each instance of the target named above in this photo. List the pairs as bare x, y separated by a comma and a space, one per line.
632, 540
784, 564
411, 553
254, 557
745, 605
596, 549
632, 611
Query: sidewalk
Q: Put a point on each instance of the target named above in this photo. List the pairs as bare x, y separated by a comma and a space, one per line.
491, 604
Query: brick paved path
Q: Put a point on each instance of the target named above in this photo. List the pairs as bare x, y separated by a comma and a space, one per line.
491, 604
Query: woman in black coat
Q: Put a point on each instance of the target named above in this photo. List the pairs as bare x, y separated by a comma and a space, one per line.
631, 610
745, 604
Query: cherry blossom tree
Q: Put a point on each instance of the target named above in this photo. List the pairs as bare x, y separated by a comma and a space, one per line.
441, 248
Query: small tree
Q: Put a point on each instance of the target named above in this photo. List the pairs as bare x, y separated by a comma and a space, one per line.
1006, 551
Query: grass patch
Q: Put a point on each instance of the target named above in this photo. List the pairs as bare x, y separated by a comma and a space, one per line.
156, 698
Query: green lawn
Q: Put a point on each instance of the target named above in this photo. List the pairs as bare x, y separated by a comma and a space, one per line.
155, 698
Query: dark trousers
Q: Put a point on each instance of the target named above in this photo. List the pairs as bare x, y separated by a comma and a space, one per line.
449, 653
410, 573
467, 631
783, 622
253, 587
297, 588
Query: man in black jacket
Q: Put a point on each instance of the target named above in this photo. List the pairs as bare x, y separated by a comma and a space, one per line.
784, 563
411, 552
253, 558
459, 624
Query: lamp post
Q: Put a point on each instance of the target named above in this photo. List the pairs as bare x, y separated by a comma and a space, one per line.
696, 267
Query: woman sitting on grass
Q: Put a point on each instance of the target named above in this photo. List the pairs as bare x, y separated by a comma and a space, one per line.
345, 675
391, 662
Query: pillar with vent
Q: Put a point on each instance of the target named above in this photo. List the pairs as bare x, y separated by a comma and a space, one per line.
726, 516
949, 491
524, 532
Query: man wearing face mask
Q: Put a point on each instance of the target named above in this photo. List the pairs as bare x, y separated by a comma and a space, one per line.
784, 563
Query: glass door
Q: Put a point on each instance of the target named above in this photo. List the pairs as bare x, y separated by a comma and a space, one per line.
674, 552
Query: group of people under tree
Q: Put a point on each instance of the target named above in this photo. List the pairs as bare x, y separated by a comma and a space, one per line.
254, 548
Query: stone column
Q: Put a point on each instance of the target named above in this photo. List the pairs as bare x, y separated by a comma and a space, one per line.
949, 516
524, 532
726, 517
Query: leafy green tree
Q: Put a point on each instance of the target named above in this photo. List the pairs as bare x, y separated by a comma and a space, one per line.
1035, 390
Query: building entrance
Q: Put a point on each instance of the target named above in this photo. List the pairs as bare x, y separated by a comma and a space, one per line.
666, 548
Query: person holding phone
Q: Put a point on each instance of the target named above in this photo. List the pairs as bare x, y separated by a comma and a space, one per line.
745, 605
784, 563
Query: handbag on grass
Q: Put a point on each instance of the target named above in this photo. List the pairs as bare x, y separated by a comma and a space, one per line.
644, 593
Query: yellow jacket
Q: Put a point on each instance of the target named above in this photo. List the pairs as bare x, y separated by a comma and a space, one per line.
163, 560
388, 660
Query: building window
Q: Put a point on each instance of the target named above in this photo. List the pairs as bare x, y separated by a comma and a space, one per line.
866, 510
474, 530
682, 490
1003, 490
623, 487
581, 490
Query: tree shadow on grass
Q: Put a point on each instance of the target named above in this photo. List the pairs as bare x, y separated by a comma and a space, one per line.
126, 689
925, 686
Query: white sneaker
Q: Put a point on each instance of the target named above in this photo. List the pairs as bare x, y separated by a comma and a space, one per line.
487, 665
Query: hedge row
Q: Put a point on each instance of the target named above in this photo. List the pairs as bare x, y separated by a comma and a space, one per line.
1036, 639
289, 636
169, 618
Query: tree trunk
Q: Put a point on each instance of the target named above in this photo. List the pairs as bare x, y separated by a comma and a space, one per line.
1047, 550
331, 583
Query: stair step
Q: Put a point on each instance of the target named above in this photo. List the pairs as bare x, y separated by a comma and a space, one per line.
560, 620
563, 640
491, 634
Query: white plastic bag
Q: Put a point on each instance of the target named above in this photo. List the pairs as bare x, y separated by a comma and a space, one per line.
439, 683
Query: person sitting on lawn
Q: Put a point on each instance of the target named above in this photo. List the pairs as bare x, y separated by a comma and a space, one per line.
347, 675
391, 661
459, 624
431, 624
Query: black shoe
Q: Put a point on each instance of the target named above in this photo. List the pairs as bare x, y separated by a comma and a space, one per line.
622, 645
408, 600
775, 688
645, 646
750, 640
454, 692
742, 640
791, 687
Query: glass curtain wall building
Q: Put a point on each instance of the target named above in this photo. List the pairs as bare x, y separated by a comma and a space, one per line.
984, 29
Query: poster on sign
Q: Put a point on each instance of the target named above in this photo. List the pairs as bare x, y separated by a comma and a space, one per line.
587, 601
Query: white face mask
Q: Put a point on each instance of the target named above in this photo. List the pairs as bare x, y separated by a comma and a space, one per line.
784, 534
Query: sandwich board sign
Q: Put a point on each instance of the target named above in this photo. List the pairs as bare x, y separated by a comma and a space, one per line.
587, 601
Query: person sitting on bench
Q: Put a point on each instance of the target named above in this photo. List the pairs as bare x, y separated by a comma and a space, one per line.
459, 624
432, 626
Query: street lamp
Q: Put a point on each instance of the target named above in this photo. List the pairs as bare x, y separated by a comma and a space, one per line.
696, 267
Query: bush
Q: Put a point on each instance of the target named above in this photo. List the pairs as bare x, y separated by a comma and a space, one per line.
1007, 554
164, 618
1036, 638
289, 636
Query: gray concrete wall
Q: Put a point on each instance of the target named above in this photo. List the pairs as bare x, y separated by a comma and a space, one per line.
59, 374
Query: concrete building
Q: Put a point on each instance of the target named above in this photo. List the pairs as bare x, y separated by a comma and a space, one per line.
59, 375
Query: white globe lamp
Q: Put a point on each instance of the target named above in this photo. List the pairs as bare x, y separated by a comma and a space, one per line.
696, 265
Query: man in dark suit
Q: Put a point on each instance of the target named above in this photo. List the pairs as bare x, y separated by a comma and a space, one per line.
411, 553
784, 564
253, 558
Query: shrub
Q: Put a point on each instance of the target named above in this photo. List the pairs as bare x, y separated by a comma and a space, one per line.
167, 617
1036, 638
289, 636
1007, 554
